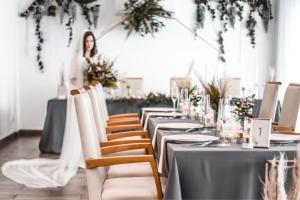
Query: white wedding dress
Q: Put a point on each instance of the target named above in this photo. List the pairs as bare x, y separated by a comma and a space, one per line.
42, 172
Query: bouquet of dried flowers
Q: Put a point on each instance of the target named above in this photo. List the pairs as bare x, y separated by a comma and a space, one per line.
216, 90
101, 71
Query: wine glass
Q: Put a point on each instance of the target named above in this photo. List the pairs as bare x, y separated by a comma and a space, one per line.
174, 97
205, 106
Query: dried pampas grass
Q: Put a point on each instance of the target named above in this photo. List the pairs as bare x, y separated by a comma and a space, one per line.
294, 193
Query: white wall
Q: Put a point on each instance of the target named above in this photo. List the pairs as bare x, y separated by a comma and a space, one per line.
156, 59
288, 63
8, 66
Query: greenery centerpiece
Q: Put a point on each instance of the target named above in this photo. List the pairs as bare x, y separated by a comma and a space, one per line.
243, 109
101, 71
142, 16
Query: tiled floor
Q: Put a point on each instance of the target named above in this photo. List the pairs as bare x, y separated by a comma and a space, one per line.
27, 147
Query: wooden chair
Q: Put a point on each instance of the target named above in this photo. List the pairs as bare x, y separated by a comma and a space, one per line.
127, 118
105, 131
290, 108
99, 185
269, 100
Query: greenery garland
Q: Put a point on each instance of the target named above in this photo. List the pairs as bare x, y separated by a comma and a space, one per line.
41, 8
149, 99
227, 11
142, 16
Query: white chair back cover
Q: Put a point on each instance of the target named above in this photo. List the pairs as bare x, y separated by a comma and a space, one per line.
102, 101
233, 87
97, 113
269, 100
290, 107
90, 144
131, 86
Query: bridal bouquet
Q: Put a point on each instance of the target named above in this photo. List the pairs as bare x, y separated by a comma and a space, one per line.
101, 71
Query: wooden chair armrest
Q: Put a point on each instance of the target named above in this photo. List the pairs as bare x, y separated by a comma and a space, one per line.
113, 136
123, 119
110, 129
126, 121
281, 128
119, 142
123, 115
275, 123
289, 132
127, 147
108, 161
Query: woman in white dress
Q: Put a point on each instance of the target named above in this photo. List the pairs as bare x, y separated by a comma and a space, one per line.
43, 173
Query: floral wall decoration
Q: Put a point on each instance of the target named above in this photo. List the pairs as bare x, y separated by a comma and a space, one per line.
143, 16
228, 11
61, 8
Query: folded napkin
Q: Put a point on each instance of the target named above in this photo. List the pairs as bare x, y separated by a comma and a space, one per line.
155, 109
182, 125
167, 114
180, 138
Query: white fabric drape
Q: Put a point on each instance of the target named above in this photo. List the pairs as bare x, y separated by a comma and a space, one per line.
288, 45
43, 173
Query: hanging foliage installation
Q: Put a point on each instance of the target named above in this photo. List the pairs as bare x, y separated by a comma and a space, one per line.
143, 16
227, 11
41, 8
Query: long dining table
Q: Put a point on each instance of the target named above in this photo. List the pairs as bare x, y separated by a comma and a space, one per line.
212, 172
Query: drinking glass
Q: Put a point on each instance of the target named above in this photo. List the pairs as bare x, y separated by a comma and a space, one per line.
205, 106
174, 97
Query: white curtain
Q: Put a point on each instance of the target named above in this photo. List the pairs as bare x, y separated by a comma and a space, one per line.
288, 45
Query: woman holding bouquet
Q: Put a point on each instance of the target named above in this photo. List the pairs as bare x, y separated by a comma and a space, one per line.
47, 173
87, 50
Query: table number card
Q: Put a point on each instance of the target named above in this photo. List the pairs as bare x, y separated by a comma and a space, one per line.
261, 131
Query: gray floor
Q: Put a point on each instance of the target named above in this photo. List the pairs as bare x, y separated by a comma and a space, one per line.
27, 147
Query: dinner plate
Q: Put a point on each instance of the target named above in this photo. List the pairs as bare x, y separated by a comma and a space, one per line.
284, 138
192, 138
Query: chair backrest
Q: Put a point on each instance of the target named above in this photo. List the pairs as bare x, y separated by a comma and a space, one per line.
131, 86
269, 100
233, 86
177, 81
290, 106
89, 142
103, 105
98, 116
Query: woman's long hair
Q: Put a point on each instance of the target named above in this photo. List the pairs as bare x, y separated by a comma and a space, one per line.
94, 49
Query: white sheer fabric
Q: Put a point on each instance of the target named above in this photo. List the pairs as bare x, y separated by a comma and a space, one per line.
43, 173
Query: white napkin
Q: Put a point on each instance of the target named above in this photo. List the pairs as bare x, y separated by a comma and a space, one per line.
170, 114
181, 138
182, 125
155, 109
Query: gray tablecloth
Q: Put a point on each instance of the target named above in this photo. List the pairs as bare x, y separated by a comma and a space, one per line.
213, 172
54, 127
115, 107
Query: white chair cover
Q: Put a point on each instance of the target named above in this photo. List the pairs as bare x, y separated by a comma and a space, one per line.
90, 144
268, 104
290, 107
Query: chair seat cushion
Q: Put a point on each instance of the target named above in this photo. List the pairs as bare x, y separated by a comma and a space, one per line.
134, 188
130, 170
